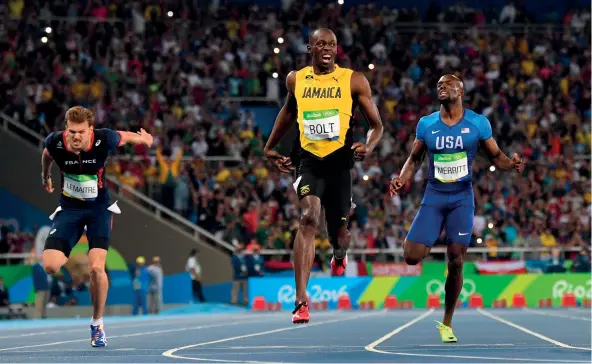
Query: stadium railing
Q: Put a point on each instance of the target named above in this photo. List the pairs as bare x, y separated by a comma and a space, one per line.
397, 253
159, 210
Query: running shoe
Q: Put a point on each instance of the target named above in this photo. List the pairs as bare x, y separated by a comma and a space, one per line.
98, 339
446, 333
300, 315
338, 266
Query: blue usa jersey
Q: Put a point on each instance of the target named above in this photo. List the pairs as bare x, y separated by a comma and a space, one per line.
451, 150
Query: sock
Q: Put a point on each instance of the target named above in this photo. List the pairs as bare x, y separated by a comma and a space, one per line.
96, 322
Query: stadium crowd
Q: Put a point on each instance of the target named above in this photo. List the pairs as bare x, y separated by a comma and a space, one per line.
177, 70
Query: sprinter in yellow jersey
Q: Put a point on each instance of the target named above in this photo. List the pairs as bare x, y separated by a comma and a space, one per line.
322, 99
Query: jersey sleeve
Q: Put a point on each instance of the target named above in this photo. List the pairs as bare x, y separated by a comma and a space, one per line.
484, 128
48, 140
113, 140
420, 129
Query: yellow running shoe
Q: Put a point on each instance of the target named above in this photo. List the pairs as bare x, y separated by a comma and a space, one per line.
446, 333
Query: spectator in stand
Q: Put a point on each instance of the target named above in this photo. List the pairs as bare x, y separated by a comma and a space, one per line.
582, 262
181, 80
155, 287
141, 284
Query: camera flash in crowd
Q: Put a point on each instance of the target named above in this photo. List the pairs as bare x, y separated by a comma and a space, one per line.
340, 2
48, 30
365, 177
490, 225
280, 40
44, 39
276, 50
479, 240
492, 168
371, 66
170, 14
275, 75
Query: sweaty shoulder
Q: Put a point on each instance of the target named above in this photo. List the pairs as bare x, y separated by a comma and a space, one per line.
424, 123
481, 123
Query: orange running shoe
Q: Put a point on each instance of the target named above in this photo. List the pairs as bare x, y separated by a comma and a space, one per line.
338, 266
300, 313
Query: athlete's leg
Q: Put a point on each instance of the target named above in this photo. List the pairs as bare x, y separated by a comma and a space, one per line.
98, 231
304, 249
459, 226
423, 233
337, 202
65, 231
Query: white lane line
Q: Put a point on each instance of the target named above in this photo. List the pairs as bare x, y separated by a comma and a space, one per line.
553, 314
138, 334
373, 345
527, 360
530, 332
171, 353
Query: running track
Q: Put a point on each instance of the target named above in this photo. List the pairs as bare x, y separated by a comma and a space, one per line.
490, 335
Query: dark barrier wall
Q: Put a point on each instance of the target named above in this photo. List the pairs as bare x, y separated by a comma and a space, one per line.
135, 231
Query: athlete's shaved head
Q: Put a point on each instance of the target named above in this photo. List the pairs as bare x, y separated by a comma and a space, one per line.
322, 45
450, 89
316, 33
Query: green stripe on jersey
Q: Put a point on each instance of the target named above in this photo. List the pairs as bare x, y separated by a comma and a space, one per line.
320, 114
449, 157
81, 177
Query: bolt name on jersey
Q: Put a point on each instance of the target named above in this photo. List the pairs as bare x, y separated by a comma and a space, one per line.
321, 93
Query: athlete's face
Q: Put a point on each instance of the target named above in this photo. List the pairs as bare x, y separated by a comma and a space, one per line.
323, 47
449, 89
78, 135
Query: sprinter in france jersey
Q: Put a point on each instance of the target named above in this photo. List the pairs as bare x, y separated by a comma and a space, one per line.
450, 138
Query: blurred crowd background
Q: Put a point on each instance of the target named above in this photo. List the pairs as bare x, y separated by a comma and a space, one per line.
208, 79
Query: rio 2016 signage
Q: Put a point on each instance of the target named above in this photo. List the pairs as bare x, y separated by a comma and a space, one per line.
417, 289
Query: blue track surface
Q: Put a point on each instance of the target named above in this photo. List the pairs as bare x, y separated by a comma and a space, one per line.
502, 335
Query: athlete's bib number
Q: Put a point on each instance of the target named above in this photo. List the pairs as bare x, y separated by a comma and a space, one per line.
321, 125
81, 186
450, 167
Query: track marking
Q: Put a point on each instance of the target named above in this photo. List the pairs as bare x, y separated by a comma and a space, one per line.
463, 345
373, 345
136, 334
528, 360
171, 353
553, 314
530, 332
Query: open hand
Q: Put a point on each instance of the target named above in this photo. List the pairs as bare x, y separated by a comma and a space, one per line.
396, 185
146, 137
283, 164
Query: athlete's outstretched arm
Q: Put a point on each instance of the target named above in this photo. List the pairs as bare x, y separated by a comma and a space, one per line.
499, 159
410, 167
363, 94
286, 117
141, 137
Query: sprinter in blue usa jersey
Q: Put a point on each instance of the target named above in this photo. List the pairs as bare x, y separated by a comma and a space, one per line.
451, 138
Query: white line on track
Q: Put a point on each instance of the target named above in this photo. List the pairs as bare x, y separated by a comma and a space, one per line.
527, 360
530, 332
140, 334
373, 345
553, 314
171, 353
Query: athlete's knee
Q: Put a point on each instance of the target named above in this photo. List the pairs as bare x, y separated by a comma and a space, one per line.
413, 253
51, 268
96, 269
309, 221
455, 263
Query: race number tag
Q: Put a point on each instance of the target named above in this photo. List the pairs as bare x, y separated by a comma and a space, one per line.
450, 167
321, 124
81, 186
